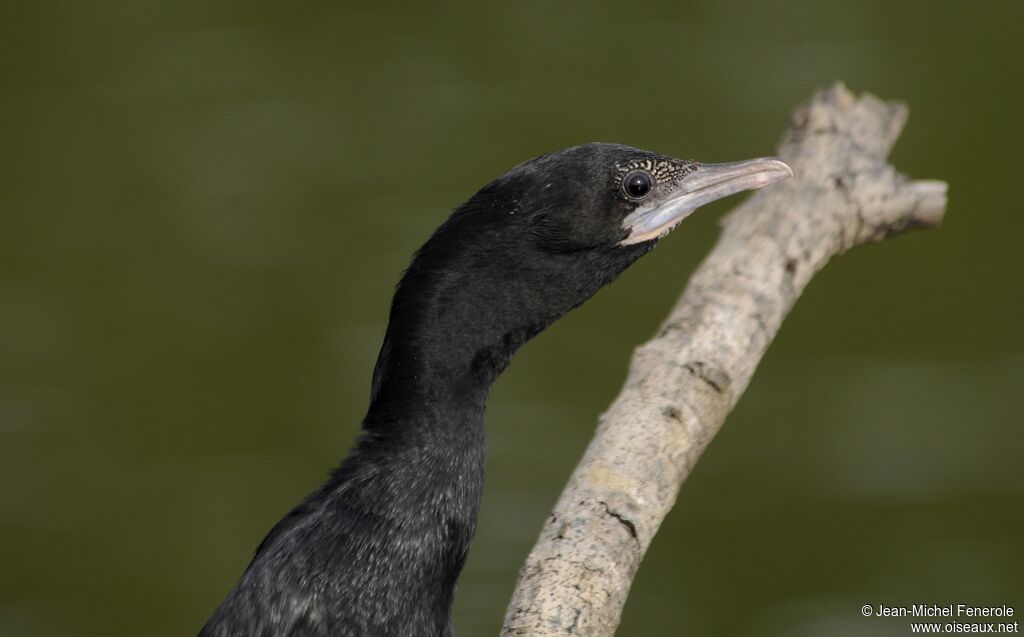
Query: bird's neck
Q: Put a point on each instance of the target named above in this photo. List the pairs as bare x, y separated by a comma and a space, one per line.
445, 345
423, 453
416, 387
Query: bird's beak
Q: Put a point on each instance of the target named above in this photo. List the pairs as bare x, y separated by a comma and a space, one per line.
702, 186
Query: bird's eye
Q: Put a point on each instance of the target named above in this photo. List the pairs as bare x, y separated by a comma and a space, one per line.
637, 184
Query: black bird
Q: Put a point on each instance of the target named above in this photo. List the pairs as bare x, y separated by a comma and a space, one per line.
376, 550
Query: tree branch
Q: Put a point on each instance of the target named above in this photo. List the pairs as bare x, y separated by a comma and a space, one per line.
683, 383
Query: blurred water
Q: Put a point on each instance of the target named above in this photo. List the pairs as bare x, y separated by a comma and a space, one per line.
205, 206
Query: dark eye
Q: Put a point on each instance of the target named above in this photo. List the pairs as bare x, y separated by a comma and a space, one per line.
637, 184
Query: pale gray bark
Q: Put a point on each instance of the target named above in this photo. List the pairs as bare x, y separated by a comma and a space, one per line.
683, 383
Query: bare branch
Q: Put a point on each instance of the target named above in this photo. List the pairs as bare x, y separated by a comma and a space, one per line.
683, 383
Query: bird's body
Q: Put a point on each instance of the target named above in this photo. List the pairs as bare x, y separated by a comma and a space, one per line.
377, 549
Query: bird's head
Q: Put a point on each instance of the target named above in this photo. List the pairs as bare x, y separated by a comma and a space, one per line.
563, 224
541, 239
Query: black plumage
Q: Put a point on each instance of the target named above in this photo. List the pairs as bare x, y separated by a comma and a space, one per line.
377, 549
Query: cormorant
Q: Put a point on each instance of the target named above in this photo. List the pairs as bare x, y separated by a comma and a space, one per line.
376, 550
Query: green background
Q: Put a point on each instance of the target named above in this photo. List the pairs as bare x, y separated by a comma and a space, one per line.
205, 206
